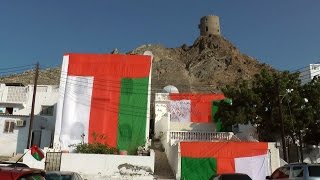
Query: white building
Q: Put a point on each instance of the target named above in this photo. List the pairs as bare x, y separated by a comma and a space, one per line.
15, 109
308, 73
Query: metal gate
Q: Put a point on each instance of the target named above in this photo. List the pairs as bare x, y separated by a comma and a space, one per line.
53, 161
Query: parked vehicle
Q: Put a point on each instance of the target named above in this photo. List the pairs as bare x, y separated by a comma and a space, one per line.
20, 173
13, 164
62, 175
233, 176
297, 171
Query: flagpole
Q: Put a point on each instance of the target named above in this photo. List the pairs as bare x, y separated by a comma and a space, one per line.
21, 157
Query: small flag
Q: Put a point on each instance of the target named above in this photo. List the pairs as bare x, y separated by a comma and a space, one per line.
37, 153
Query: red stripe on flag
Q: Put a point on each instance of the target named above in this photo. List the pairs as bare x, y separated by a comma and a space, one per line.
107, 70
200, 105
225, 165
223, 149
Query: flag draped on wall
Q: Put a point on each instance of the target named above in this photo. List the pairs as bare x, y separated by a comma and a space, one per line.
201, 160
107, 95
200, 110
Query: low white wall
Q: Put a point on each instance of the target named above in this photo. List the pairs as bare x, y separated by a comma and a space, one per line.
102, 166
191, 126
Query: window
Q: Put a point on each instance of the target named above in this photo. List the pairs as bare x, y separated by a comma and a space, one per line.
206, 28
8, 126
47, 110
314, 171
9, 110
315, 67
280, 173
297, 171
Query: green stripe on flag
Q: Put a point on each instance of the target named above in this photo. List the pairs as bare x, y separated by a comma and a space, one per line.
132, 114
198, 168
36, 156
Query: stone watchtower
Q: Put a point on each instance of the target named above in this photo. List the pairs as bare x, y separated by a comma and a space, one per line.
209, 25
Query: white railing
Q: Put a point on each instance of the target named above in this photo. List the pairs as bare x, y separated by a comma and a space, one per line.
177, 136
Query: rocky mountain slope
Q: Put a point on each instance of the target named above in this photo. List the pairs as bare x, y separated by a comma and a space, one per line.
206, 66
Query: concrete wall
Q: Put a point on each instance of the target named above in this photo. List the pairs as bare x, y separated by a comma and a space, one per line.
172, 153
209, 25
274, 156
102, 166
16, 142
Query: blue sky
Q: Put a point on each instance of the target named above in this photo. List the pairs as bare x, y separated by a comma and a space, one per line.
283, 34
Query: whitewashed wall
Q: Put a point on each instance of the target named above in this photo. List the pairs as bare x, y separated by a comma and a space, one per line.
173, 154
102, 166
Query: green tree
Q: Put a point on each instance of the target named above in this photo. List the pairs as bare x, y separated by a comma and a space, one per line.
257, 101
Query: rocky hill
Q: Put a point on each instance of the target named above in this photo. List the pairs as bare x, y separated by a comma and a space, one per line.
209, 64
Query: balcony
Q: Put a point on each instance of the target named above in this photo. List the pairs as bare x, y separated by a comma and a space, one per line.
178, 136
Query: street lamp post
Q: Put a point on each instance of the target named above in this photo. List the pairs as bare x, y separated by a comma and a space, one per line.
284, 151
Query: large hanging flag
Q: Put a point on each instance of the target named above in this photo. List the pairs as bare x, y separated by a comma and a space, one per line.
201, 160
37, 153
106, 95
200, 110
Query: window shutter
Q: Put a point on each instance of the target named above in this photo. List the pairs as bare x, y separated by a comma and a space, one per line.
6, 126
11, 127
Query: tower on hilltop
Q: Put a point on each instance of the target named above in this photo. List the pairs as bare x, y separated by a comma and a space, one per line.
209, 25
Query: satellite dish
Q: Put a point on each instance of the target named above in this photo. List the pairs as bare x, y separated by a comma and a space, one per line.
170, 89
148, 53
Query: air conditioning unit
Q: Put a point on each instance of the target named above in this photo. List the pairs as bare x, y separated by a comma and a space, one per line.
20, 123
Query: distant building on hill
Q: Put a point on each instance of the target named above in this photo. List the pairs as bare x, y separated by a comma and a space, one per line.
209, 25
308, 73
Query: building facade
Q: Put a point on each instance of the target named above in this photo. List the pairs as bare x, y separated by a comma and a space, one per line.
209, 25
308, 73
15, 109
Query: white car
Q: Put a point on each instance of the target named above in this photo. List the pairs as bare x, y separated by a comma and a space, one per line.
297, 171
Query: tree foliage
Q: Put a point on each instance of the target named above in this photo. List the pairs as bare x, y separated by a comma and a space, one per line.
257, 101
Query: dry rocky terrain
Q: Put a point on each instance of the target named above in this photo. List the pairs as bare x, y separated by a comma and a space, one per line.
206, 66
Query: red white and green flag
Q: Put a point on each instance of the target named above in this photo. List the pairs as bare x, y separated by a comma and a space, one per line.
37, 153
104, 94
190, 107
201, 160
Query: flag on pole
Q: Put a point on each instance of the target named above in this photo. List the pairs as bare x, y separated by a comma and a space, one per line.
37, 153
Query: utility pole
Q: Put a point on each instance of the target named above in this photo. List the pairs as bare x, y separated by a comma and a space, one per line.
33, 103
281, 123
300, 147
